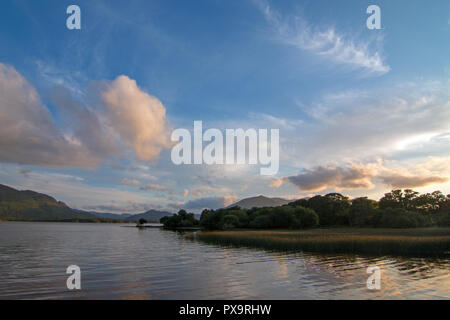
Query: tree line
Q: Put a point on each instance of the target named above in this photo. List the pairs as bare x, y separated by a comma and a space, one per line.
397, 209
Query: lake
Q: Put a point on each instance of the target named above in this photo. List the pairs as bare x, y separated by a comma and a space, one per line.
129, 263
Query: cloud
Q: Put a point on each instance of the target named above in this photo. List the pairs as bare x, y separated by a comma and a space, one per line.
137, 117
277, 183
118, 208
85, 124
139, 167
402, 181
25, 172
202, 191
406, 118
130, 182
263, 120
155, 187
434, 170
164, 191
353, 176
128, 119
28, 134
61, 76
326, 43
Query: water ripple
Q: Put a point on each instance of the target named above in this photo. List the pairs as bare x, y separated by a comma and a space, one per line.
128, 263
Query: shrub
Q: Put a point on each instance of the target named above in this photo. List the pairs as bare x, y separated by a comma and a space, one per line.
262, 221
307, 217
180, 220
229, 221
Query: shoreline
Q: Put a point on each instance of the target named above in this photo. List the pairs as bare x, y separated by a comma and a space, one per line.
407, 242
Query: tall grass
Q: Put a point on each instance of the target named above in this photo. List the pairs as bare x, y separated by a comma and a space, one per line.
420, 242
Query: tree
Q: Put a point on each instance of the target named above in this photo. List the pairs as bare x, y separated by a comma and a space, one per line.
306, 217
409, 199
431, 202
362, 212
398, 199
163, 220
180, 220
329, 208
391, 199
229, 221
182, 213
142, 222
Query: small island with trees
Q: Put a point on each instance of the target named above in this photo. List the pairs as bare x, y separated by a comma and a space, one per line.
401, 222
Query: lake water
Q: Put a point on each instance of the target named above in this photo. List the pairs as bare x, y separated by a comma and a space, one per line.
128, 263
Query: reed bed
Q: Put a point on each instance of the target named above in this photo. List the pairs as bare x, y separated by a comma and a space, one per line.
420, 242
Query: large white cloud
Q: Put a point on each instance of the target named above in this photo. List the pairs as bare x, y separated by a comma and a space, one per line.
128, 119
137, 117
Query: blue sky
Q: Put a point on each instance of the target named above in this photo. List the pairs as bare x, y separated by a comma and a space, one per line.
359, 111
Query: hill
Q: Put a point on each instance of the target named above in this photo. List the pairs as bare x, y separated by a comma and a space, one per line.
113, 216
259, 202
150, 216
33, 206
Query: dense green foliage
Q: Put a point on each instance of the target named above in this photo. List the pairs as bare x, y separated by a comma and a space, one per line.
180, 220
282, 217
397, 209
141, 222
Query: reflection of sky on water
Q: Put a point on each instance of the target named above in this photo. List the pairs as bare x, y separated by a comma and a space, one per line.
127, 263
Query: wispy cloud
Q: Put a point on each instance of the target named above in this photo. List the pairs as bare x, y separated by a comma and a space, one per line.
155, 187
407, 119
327, 42
402, 181
353, 175
130, 182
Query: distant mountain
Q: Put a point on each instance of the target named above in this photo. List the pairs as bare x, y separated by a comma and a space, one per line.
114, 216
150, 216
259, 202
32, 206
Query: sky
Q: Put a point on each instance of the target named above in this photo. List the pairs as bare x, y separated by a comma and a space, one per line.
86, 115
